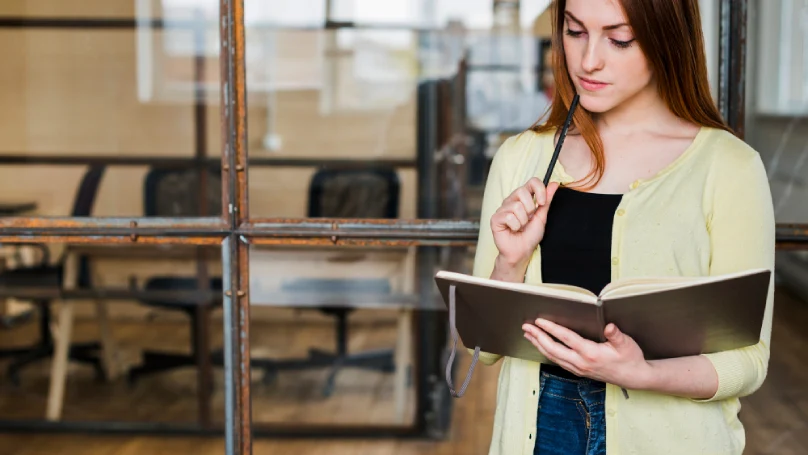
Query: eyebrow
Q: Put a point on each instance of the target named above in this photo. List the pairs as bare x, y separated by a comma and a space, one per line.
608, 27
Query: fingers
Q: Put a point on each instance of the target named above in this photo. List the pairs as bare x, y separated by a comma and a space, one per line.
554, 351
520, 212
563, 334
542, 211
614, 335
523, 204
525, 197
536, 188
535, 342
512, 215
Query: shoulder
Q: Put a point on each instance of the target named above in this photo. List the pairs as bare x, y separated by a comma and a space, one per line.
519, 145
517, 159
727, 151
521, 150
736, 172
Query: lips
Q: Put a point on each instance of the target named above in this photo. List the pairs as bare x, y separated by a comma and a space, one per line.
591, 84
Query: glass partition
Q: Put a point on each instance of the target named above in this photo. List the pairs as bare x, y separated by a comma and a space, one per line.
144, 333
122, 88
417, 97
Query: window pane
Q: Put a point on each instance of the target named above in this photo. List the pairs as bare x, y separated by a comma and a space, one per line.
110, 191
132, 357
298, 296
420, 112
94, 93
777, 102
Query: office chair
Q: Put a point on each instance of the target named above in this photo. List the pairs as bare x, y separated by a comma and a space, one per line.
176, 193
44, 274
372, 193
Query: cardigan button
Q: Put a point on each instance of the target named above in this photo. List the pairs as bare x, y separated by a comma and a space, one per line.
610, 412
615, 260
621, 212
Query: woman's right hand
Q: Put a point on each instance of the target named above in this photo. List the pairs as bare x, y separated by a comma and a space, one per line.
518, 224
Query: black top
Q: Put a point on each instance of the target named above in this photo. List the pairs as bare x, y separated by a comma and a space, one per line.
577, 244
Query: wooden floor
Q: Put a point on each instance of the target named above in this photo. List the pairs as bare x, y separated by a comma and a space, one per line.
775, 418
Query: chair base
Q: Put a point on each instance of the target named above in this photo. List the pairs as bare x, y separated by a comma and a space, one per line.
381, 360
159, 362
9, 322
84, 353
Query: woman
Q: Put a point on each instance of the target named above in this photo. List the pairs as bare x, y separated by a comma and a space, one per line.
650, 182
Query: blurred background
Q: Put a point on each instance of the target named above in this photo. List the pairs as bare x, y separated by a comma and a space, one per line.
113, 115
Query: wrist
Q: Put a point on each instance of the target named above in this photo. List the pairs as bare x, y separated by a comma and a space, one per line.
647, 377
509, 270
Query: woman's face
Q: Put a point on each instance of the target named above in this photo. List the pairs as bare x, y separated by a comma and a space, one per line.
605, 63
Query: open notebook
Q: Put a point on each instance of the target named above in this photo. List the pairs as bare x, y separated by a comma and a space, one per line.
667, 316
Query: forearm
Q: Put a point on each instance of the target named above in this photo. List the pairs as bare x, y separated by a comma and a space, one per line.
689, 377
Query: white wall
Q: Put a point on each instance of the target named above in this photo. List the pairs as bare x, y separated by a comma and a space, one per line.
710, 22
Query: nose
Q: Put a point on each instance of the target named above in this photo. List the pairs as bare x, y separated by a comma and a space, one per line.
593, 59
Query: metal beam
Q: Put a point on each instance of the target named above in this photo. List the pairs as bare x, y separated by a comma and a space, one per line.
732, 64
238, 418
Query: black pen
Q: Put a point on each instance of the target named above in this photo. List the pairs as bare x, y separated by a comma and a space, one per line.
561, 140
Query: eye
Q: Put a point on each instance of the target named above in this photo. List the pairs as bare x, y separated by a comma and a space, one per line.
622, 44
574, 33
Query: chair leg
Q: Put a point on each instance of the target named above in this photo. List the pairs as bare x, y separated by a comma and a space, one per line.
86, 353
44, 349
158, 362
372, 360
33, 355
380, 360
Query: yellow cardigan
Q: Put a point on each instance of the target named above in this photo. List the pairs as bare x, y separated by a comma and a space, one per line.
707, 213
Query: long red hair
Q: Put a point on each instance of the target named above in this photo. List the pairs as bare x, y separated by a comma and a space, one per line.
669, 34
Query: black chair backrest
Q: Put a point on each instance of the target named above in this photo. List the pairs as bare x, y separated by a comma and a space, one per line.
176, 193
83, 207
88, 189
354, 193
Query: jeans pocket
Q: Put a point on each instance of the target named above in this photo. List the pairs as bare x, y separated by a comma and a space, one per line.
542, 380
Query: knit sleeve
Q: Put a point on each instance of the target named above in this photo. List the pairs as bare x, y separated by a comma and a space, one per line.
742, 236
496, 190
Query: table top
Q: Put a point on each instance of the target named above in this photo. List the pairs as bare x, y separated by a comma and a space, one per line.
301, 276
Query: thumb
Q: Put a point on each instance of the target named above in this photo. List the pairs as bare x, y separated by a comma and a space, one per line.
541, 213
614, 335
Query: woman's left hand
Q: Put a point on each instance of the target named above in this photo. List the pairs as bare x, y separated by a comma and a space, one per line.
617, 361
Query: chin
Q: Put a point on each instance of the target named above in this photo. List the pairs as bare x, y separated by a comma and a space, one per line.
594, 103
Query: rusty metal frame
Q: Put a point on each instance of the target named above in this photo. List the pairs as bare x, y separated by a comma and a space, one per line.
238, 418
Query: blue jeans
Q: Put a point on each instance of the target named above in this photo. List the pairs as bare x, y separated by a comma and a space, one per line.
570, 417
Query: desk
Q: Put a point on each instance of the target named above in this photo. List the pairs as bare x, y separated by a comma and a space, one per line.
111, 359
268, 270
